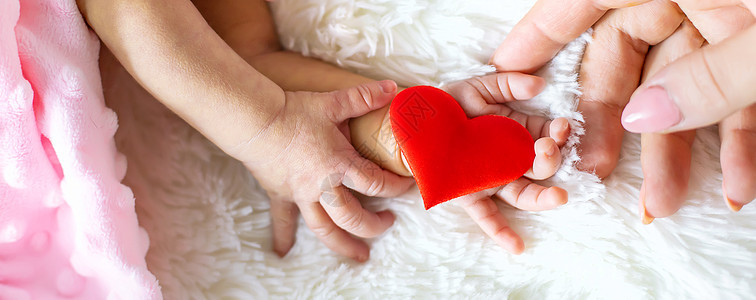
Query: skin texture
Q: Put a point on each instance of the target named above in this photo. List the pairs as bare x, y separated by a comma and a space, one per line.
298, 140
708, 85
486, 95
215, 76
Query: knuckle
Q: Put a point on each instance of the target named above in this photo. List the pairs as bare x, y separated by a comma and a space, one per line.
708, 84
281, 220
363, 94
335, 108
549, 32
376, 186
483, 208
481, 88
501, 232
501, 81
351, 222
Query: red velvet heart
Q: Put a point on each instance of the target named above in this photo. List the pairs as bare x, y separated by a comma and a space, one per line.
451, 155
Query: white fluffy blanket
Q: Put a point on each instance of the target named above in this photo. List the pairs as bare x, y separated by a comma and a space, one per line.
208, 219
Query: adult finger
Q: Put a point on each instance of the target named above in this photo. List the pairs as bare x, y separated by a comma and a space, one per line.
717, 20
611, 71
356, 101
683, 41
331, 235
486, 214
697, 90
283, 217
526, 195
666, 158
547, 159
546, 28
369, 179
738, 158
347, 212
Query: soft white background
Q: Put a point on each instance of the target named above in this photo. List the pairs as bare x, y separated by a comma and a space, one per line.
208, 219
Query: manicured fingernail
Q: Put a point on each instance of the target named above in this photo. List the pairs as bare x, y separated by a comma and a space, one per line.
387, 86
650, 110
734, 206
645, 217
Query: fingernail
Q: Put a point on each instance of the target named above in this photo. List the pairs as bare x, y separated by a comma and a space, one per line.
650, 110
280, 253
645, 217
734, 206
387, 86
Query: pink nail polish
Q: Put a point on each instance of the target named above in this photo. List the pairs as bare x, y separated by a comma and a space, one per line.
650, 110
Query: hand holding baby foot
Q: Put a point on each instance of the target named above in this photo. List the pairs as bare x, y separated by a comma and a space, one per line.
304, 160
488, 95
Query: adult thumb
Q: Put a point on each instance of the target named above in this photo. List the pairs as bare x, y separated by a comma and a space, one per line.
359, 100
697, 90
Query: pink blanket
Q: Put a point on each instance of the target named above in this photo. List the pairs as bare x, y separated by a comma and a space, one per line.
67, 225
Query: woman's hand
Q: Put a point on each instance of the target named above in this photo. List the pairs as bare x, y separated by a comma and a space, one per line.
705, 86
611, 66
305, 162
713, 84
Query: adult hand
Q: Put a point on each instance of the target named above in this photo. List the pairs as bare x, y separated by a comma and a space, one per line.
304, 160
665, 186
488, 95
611, 66
708, 85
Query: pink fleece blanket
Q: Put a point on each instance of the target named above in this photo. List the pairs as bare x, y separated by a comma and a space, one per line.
67, 225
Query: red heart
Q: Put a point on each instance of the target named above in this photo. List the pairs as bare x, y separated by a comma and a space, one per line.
451, 155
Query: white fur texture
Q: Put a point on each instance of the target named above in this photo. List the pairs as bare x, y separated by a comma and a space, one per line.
208, 218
